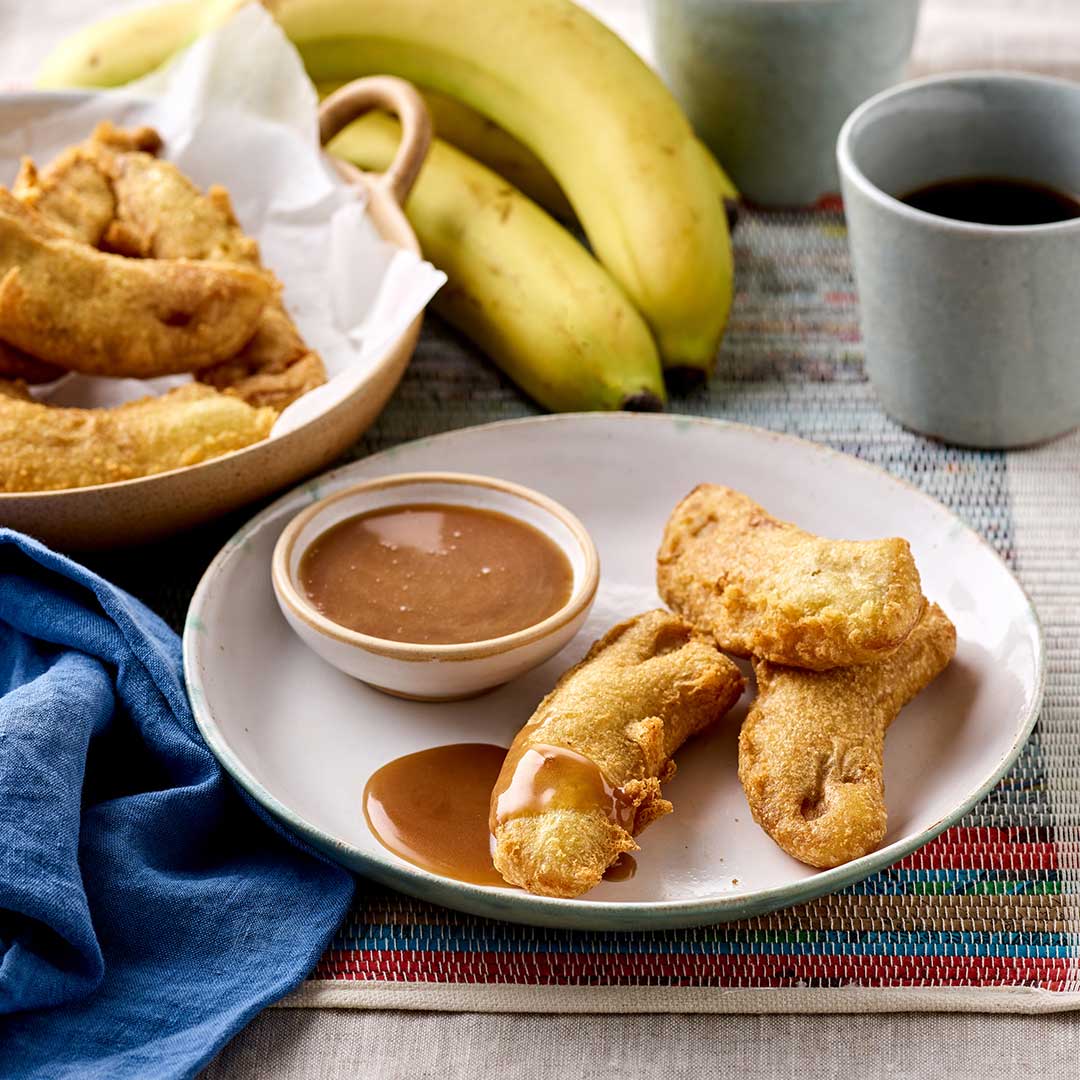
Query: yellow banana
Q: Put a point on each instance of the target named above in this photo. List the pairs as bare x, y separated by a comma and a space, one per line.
124, 47
564, 85
486, 142
520, 285
489, 144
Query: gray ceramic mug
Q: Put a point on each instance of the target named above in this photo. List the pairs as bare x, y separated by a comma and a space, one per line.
767, 83
972, 332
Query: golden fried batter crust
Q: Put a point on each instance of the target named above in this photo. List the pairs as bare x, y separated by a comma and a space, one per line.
161, 214
764, 587
44, 448
75, 192
143, 137
810, 750
274, 368
75, 196
113, 193
65, 303
642, 690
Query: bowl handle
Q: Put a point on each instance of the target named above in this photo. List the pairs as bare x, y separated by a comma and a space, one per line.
401, 99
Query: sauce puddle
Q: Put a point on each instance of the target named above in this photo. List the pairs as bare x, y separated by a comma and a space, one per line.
432, 808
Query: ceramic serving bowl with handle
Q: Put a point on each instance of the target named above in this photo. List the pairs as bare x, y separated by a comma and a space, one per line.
152, 507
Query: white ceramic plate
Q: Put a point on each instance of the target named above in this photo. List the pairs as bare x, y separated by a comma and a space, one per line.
303, 738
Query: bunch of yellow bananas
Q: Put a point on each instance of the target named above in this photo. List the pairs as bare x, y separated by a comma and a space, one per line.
541, 94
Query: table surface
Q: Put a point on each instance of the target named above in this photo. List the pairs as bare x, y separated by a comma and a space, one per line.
1039, 35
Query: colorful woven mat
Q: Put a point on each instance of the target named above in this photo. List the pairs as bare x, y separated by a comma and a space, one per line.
992, 903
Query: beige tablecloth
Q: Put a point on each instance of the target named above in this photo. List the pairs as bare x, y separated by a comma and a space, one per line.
328, 1044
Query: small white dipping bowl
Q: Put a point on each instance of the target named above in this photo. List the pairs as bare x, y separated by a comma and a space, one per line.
435, 672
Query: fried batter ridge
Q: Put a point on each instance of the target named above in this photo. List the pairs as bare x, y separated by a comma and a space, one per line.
46, 448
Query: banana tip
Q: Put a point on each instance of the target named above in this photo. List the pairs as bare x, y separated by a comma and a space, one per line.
643, 401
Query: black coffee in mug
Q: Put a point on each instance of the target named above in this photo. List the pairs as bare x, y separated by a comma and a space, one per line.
993, 200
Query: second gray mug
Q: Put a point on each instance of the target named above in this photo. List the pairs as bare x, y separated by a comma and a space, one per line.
972, 331
768, 83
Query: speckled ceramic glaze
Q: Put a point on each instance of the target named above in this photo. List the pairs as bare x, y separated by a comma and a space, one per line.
768, 83
972, 332
303, 737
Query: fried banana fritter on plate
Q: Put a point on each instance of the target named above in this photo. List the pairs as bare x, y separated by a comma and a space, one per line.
65, 303
764, 587
583, 777
44, 448
810, 750
112, 192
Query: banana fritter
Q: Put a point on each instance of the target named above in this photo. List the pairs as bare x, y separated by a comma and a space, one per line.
583, 777
765, 588
65, 303
45, 448
112, 192
810, 750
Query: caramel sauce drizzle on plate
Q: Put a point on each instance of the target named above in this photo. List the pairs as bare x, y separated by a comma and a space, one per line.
431, 808
436, 808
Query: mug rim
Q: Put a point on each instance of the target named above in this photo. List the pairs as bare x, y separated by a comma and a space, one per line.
851, 171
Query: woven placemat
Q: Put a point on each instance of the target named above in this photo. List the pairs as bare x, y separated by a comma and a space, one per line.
985, 917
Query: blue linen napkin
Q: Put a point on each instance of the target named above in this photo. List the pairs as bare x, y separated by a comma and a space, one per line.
146, 912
